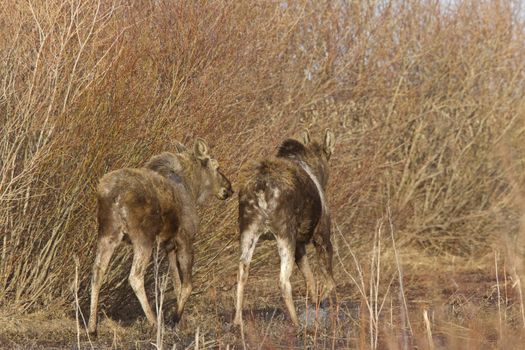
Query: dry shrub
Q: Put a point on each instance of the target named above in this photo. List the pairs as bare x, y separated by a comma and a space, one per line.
424, 97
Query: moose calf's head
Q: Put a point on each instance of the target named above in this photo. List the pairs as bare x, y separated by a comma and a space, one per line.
213, 180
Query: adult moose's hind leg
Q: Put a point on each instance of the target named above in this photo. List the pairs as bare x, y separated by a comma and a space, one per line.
105, 247
141, 255
301, 259
249, 238
286, 253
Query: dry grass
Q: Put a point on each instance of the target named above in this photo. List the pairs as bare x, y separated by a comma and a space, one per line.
428, 103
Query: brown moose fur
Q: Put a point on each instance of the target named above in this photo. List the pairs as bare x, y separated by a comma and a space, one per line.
284, 196
155, 203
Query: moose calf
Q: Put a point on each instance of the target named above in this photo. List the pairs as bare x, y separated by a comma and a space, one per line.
285, 196
156, 202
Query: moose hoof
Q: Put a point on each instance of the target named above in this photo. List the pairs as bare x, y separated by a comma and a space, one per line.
92, 332
173, 321
237, 321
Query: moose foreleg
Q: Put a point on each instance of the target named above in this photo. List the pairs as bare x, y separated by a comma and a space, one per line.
172, 258
301, 259
325, 253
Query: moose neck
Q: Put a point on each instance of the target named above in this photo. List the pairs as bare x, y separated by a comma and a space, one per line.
195, 182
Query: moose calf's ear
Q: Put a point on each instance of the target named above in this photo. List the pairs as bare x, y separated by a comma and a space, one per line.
180, 147
305, 137
329, 143
200, 149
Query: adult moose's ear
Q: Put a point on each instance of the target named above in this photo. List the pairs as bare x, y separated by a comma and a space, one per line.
329, 143
305, 137
200, 149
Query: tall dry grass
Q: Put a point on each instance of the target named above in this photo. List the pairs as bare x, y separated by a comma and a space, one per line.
427, 99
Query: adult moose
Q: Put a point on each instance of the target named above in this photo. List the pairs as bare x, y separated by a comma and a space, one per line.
284, 196
155, 203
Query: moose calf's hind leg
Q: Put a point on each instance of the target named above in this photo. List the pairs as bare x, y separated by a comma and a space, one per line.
105, 248
286, 252
249, 240
141, 256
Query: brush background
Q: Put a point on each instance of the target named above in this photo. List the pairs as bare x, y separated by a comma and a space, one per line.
426, 99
